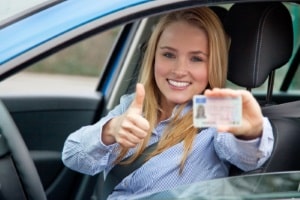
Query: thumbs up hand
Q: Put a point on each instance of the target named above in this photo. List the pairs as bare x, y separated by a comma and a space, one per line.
137, 103
130, 128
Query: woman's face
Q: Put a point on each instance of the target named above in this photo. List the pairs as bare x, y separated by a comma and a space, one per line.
181, 62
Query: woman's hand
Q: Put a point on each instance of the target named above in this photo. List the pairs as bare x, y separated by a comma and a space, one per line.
130, 128
252, 118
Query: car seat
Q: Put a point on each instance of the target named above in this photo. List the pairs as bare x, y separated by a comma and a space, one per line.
261, 42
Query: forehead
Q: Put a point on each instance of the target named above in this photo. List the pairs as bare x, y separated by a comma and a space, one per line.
183, 32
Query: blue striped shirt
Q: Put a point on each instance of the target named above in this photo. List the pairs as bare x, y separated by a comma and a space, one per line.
210, 157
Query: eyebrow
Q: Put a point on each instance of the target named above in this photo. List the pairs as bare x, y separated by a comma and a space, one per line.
192, 52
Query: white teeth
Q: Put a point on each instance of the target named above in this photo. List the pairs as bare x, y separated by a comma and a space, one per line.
178, 84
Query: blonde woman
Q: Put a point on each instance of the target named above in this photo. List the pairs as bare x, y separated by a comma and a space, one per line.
186, 55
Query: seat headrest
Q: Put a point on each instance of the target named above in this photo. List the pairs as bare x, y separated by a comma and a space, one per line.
221, 12
261, 41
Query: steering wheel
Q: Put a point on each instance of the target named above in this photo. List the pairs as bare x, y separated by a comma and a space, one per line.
19, 178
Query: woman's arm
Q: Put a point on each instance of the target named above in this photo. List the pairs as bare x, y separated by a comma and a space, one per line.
247, 146
246, 154
85, 151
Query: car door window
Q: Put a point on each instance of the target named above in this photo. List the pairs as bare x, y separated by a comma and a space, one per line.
74, 69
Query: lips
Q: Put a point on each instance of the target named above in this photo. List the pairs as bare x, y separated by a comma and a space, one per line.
179, 84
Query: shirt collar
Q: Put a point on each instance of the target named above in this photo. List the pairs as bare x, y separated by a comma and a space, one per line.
161, 125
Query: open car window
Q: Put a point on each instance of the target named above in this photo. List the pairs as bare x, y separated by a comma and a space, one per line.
73, 70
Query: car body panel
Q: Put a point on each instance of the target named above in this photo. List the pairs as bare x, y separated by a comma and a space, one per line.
45, 122
57, 20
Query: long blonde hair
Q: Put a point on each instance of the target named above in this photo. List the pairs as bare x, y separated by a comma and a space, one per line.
180, 128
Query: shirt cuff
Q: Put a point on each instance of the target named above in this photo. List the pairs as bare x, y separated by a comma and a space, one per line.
263, 144
246, 154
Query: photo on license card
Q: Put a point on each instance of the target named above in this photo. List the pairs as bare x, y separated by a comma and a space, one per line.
215, 111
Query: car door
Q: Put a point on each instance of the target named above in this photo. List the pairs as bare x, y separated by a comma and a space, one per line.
47, 106
46, 115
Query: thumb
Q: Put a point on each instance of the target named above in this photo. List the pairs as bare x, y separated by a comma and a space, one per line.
139, 97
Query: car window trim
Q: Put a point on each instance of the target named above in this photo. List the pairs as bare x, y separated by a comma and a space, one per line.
30, 11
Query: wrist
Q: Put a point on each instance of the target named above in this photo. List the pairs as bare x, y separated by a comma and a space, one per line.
107, 136
253, 133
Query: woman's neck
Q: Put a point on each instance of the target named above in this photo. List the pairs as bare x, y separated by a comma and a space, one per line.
166, 111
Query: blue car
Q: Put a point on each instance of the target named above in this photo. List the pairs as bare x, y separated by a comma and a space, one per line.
65, 64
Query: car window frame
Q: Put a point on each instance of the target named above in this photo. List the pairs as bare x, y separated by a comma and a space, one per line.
22, 14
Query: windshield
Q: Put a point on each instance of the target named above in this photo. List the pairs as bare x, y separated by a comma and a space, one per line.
259, 186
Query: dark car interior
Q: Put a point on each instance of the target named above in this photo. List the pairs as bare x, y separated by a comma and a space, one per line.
33, 129
260, 58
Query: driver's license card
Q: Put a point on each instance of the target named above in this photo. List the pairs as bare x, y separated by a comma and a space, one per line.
215, 111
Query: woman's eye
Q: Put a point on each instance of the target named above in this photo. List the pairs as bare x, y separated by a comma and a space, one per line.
169, 55
196, 59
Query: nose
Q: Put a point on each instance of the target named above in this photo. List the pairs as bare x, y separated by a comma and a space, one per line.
180, 67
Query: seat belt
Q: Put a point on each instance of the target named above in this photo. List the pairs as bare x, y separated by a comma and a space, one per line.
119, 172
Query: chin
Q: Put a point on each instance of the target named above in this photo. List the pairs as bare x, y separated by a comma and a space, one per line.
180, 100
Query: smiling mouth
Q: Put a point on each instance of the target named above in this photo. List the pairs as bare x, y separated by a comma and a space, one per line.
179, 84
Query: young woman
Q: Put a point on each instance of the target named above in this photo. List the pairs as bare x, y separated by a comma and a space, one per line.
186, 55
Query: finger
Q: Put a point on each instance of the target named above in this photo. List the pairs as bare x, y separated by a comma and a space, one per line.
139, 97
248, 98
125, 143
220, 93
137, 125
229, 129
138, 121
128, 138
132, 138
139, 133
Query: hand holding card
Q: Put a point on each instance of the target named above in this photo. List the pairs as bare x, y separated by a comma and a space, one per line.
245, 122
217, 111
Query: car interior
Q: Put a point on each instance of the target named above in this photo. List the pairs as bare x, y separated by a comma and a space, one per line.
259, 59
34, 128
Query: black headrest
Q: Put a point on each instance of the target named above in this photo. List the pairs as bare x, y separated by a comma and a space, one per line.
261, 41
221, 12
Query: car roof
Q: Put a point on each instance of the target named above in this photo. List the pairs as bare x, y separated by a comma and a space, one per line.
30, 37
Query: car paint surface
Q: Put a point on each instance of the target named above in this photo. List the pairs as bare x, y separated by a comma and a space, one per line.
57, 20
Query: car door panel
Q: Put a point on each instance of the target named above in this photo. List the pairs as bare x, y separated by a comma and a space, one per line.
45, 123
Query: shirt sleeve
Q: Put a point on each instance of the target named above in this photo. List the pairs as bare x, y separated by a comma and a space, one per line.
246, 154
84, 151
